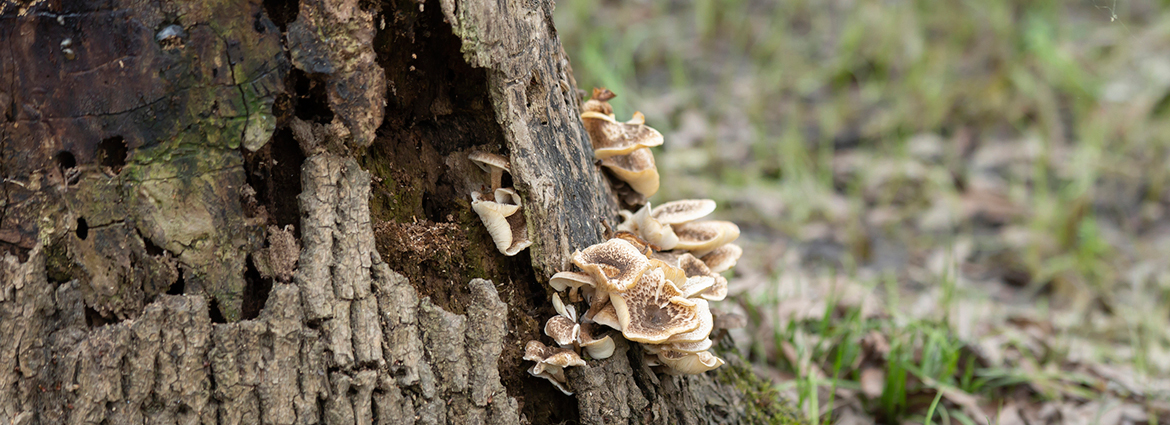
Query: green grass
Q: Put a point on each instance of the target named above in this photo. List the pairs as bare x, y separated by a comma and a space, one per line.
1033, 134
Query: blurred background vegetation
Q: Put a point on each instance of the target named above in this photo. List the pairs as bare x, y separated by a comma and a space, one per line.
949, 207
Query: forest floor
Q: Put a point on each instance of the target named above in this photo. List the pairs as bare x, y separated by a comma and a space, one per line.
959, 209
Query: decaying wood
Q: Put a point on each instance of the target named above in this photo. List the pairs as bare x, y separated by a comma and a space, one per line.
210, 216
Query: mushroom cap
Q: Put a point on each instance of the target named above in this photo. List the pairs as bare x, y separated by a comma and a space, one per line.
670, 258
628, 224
562, 330
568, 311
496, 217
612, 138
518, 227
674, 274
614, 264
689, 363
598, 348
696, 285
565, 280
600, 101
549, 357
691, 347
654, 310
636, 168
716, 292
654, 231
706, 325
634, 240
701, 237
490, 161
723, 258
682, 211
607, 316
506, 196
555, 379
693, 266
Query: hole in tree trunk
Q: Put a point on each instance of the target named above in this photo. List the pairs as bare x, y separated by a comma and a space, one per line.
82, 228
256, 291
112, 153
214, 312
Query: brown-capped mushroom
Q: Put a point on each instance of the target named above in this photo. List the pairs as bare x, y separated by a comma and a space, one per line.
653, 230
599, 102
702, 237
683, 211
606, 315
689, 363
494, 165
691, 347
635, 168
654, 309
562, 330
598, 348
550, 363
612, 138
614, 264
723, 258
706, 324
495, 217
716, 292
519, 228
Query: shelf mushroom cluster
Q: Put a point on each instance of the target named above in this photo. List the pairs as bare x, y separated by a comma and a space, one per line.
652, 282
622, 147
500, 209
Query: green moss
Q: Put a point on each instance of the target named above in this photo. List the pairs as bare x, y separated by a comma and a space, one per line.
761, 402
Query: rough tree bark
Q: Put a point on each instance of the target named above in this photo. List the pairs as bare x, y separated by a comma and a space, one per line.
239, 212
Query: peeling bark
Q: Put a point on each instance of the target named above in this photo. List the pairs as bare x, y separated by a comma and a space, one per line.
210, 217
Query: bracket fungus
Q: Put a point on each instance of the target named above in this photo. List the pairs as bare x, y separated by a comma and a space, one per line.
502, 212
623, 148
654, 279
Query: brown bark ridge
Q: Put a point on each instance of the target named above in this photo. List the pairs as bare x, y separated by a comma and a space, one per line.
247, 212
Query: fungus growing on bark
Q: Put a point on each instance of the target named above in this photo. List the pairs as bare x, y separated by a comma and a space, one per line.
504, 219
682, 211
615, 264
599, 102
723, 258
654, 310
689, 363
701, 237
598, 348
494, 165
613, 138
635, 168
551, 363
502, 214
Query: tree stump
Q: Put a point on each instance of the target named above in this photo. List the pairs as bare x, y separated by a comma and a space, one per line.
240, 212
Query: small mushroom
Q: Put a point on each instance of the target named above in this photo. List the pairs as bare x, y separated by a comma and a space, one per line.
562, 330
614, 264
683, 211
612, 138
550, 363
607, 316
571, 281
654, 309
495, 216
569, 311
519, 227
635, 168
653, 230
706, 324
723, 258
691, 347
598, 348
494, 165
702, 237
716, 292
599, 102
689, 363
